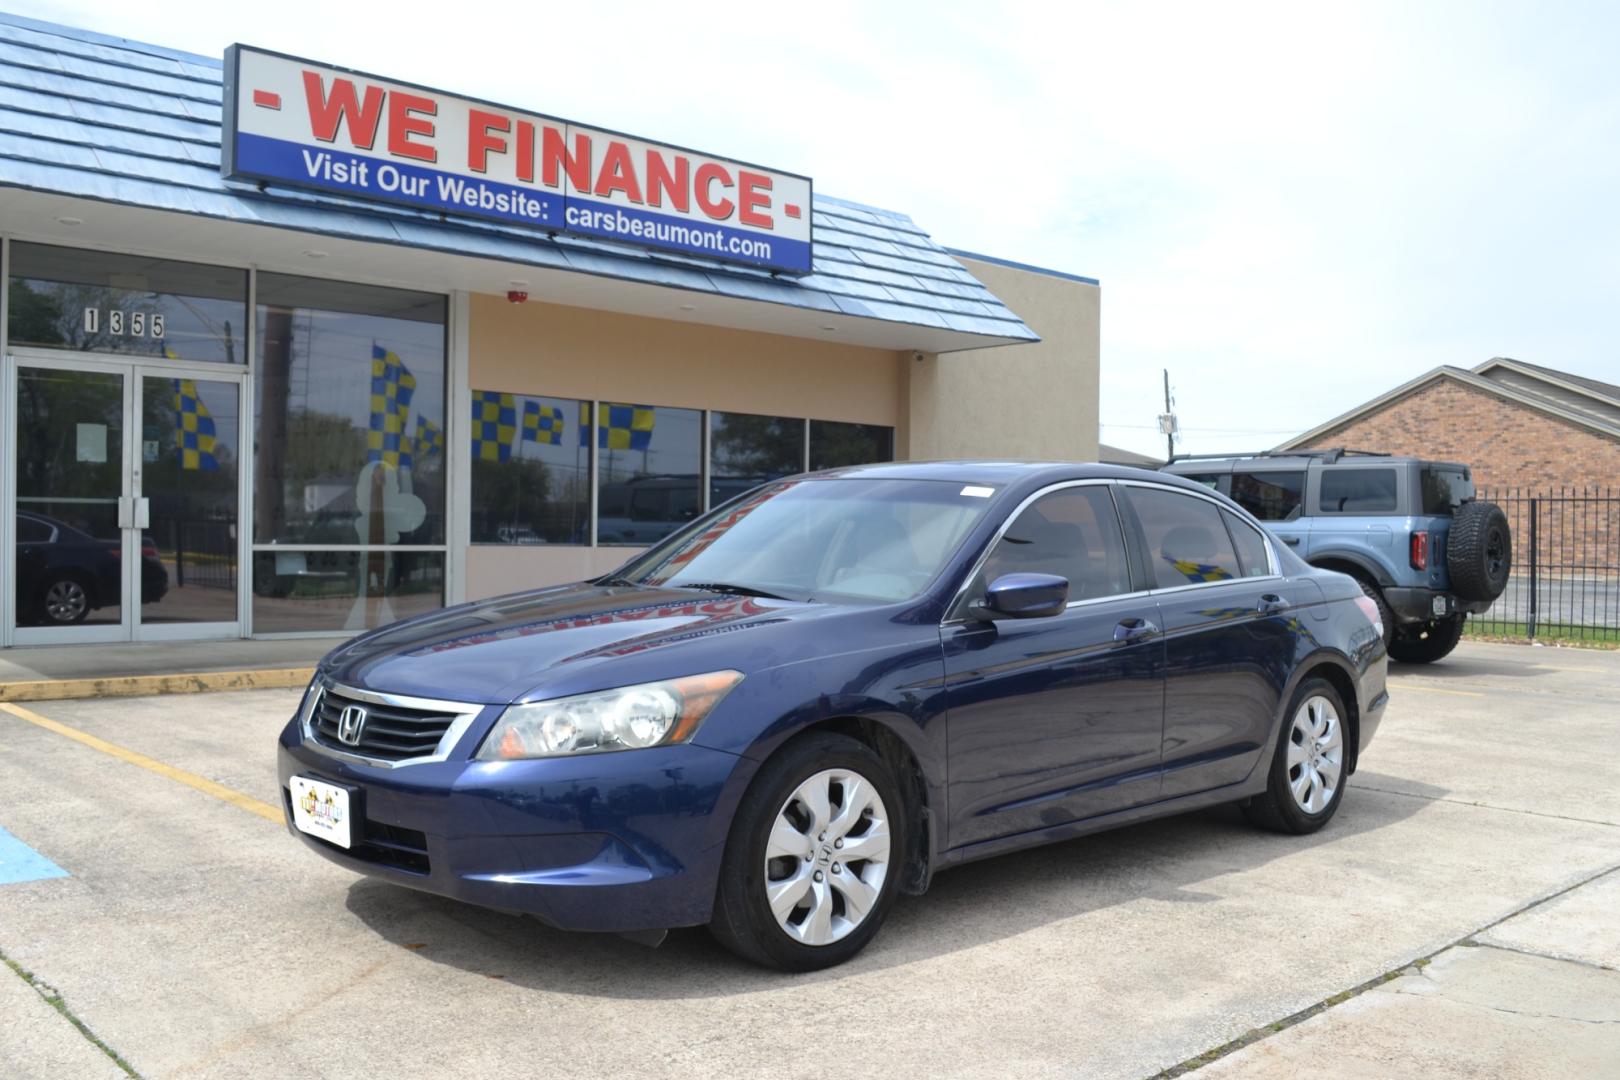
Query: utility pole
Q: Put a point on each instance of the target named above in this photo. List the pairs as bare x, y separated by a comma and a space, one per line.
1167, 421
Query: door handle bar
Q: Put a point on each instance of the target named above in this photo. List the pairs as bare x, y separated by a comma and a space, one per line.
1132, 630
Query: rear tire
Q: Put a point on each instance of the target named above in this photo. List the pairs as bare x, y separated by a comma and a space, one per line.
1385, 615
1310, 764
1437, 641
790, 841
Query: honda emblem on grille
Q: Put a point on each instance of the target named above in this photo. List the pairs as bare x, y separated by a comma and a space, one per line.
351, 722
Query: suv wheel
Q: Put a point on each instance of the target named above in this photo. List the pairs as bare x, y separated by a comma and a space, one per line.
1479, 551
814, 858
1385, 615
1425, 646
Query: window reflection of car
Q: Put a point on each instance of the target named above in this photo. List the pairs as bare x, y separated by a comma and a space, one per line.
64, 573
645, 508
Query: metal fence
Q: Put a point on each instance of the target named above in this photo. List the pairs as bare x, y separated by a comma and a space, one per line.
1566, 566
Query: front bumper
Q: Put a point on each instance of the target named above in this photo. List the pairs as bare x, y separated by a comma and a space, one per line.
1417, 605
609, 842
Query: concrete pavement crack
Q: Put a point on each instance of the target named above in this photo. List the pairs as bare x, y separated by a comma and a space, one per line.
54, 999
1485, 806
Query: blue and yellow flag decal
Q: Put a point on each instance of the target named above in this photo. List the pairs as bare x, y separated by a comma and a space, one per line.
194, 427
392, 385
619, 427
494, 425
542, 424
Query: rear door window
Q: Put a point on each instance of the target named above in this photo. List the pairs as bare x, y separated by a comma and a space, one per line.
1270, 496
1358, 491
1186, 540
1251, 546
1073, 533
1445, 489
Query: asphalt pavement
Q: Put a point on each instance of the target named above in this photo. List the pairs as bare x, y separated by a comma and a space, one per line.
1476, 852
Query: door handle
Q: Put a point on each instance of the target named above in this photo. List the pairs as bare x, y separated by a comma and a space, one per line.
143, 513
126, 512
1271, 603
1133, 630
1291, 541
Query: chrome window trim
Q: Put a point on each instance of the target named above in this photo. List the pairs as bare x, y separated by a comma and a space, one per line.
1006, 524
463, 713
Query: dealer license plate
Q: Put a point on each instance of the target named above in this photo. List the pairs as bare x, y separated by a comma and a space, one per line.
321, 810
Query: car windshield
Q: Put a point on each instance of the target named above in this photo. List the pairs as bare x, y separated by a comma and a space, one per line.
878, 540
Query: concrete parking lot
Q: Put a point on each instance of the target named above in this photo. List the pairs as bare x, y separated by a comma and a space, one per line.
1477, 851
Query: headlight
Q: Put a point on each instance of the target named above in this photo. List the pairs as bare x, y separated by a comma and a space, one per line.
629, 718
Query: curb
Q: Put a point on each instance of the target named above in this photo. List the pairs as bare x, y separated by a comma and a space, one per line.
146, 685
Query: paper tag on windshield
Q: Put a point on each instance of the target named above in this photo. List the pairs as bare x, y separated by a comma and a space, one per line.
976, 492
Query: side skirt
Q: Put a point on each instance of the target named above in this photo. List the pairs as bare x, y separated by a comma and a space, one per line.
985, 849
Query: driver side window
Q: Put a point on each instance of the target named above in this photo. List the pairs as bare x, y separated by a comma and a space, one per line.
1073, 533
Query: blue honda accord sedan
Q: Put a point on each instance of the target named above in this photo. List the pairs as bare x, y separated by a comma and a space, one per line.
812, 699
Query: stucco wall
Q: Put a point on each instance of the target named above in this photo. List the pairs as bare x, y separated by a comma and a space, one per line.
1033, 401
557, 351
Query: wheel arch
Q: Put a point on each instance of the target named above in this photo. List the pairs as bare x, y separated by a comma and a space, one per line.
1354, 564
921, 795
1340, 674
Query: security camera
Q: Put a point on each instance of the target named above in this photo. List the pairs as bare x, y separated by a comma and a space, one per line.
919, 357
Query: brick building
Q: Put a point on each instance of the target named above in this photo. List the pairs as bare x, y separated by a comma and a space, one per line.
1519, 425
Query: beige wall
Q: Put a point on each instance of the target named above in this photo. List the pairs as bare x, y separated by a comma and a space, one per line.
555, 351
1035, 401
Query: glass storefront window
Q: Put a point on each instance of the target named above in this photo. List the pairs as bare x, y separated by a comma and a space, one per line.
833, 444
746, 450
531, 465
97, 301
649, 463
350, 414
343, 590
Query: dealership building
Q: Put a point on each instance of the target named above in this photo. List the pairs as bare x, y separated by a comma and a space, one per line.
295, 350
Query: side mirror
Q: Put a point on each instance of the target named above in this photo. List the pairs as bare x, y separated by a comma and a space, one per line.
1024, 596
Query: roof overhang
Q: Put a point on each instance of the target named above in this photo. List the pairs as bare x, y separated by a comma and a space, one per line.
437, 266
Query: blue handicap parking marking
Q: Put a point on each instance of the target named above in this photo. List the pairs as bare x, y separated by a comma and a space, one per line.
19, 862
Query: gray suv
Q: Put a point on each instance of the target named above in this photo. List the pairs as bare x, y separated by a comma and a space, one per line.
1409, 531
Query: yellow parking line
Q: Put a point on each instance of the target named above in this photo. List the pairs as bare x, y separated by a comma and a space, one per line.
1404, 685
179, 776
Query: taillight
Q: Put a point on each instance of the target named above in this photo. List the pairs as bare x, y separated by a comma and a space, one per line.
1420, 551
1370, 609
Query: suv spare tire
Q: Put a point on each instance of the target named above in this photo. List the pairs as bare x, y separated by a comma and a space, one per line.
1479, 551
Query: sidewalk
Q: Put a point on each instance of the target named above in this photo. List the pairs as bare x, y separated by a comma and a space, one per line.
50, 672
1536, 995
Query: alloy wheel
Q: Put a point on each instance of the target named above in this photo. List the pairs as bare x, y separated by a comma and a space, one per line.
827, 856
65, 601
1315, 754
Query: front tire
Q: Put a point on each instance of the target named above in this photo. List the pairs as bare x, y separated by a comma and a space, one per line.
1436, 641
814, 858
1310, 765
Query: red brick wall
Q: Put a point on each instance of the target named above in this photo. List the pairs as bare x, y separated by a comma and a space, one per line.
1508, 444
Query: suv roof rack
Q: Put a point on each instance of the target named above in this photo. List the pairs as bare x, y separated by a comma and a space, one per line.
1328, 456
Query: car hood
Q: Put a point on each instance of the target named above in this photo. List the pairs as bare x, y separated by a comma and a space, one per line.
568, 640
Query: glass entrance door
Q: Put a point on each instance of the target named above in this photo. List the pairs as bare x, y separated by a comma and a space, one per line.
73, 514
126, 512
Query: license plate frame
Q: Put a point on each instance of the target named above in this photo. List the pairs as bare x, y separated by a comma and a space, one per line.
324, 810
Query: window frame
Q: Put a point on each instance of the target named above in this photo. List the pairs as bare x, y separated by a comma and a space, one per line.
1139, 538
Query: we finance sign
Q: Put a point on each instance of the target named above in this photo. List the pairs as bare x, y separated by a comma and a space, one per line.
296, 122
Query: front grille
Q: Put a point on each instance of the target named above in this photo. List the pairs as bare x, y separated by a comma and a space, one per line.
390, 732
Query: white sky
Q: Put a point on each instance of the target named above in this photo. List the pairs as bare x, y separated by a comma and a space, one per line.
1293, 207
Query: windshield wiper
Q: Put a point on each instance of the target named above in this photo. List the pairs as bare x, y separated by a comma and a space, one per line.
728, 587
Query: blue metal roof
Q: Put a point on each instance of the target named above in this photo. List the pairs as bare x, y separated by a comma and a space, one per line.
88, 115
